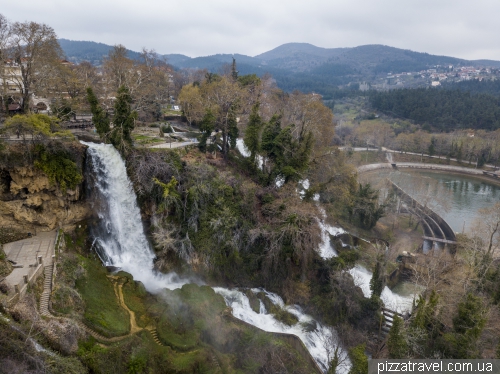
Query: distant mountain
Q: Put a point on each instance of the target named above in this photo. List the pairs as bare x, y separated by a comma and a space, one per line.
299, 66
78, 51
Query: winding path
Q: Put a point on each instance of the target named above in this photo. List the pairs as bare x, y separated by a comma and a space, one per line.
118, 283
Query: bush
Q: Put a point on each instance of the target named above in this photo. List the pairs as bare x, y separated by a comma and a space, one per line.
59, 168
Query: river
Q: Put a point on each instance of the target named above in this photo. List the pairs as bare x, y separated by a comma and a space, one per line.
457, 198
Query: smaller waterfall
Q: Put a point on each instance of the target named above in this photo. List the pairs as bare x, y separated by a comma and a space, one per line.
391, 300
318, 340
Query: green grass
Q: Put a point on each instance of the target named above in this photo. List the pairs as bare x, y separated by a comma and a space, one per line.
366, 157
103, 312
135, 295
143, 139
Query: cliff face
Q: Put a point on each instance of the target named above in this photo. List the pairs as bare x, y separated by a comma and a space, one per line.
29, 201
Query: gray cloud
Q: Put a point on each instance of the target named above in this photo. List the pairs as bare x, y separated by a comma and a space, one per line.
456, 28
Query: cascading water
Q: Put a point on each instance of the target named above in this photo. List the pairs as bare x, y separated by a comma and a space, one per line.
119, 235
318, 339
362, 276
120, 241
391, 300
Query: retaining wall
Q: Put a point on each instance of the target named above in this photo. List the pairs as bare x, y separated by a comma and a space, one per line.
415, 165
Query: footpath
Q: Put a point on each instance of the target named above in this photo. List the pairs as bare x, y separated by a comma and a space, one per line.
29, 257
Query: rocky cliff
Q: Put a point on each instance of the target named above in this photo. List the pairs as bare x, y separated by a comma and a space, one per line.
30, 201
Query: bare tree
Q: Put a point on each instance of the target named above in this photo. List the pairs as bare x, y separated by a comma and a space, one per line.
4, 40
34, 48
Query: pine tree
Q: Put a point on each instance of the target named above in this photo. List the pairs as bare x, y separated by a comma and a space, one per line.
359, 360
377, 281
99, 116
123, 121
252, 132
396, 342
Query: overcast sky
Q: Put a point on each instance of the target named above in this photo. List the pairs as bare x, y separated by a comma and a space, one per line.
458, 28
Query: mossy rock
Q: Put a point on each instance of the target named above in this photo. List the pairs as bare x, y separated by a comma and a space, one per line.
268, 304
279, 313
254, 301
284, 316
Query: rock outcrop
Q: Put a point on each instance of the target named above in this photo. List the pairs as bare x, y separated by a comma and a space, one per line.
29, 201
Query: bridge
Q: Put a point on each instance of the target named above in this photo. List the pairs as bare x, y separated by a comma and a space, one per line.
436, 229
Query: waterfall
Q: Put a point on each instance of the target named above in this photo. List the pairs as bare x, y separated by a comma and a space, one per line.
120, 241
119, 234
318, 340
361, 275
391, 299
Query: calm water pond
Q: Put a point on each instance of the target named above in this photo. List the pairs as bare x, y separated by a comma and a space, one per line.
456, 197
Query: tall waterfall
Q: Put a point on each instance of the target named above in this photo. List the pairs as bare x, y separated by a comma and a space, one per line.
120, 241
119, 234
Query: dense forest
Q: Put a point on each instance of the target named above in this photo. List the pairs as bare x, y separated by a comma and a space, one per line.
474, 86
444, 110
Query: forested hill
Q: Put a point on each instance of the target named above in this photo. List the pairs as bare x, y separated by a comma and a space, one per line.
474, 86
298, 66
442, 109
78, 51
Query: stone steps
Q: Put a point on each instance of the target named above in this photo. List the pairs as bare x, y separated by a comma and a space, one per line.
154, 334
47, 290
96, 335
216, 363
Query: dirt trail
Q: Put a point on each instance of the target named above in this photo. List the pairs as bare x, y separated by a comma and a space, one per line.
118, 286
118, 283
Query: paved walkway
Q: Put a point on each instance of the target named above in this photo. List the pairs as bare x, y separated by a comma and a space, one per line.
417, 165
25, 252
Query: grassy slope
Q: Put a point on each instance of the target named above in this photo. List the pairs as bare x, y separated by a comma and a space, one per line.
196, 336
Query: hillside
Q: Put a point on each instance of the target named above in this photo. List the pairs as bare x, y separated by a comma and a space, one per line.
78, 51
302, 66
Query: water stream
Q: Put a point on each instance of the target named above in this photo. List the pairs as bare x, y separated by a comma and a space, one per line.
120, 241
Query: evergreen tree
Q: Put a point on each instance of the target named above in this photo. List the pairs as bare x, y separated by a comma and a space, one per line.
232, 129
123, 121
365, 210
252, 132
377, 281
359, 360
334, 362
234, 72
396, 342
425, 318
207, 125
467, 327
288, 156
99, 116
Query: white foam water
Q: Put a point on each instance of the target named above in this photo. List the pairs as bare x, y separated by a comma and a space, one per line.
121, 242
326, 250
119, 234
319, 341
391, 300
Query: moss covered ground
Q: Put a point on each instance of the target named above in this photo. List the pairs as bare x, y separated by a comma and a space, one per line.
193, 331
